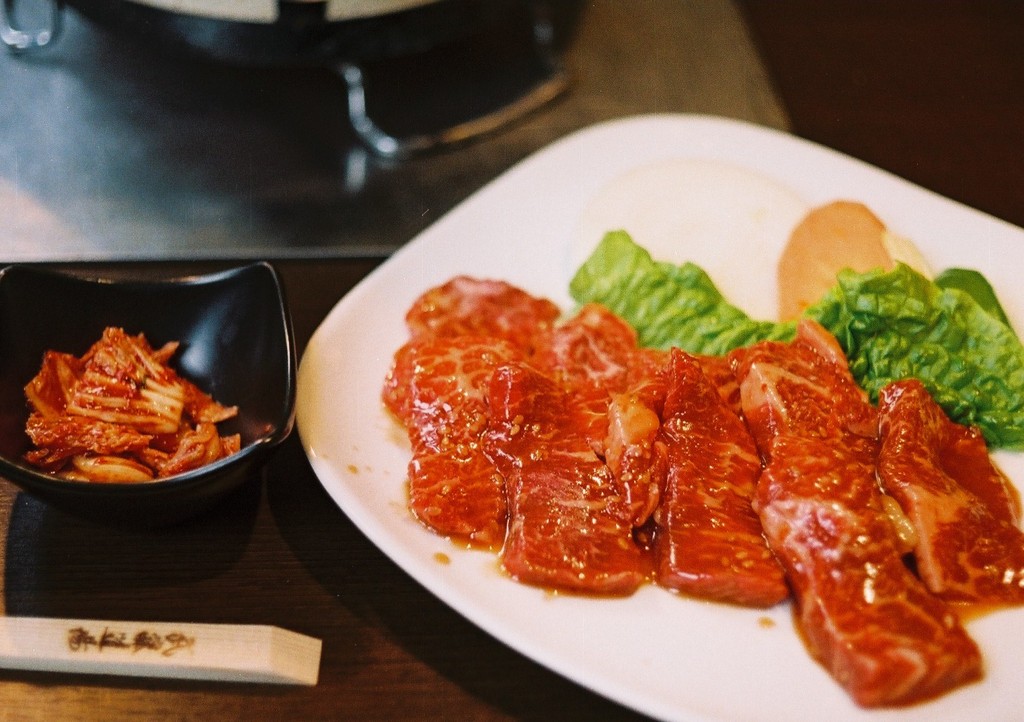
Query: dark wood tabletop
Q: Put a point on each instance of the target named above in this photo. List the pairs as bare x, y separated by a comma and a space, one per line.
933, 92
930, 91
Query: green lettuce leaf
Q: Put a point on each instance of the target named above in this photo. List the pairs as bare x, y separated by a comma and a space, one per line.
898, 324
892, 325
975, 284
668, 305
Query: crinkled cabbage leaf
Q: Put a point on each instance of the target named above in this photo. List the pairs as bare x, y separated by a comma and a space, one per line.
668, 305
892, 325
898, 324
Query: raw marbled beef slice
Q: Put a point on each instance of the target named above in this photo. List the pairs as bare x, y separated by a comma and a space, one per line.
709, 539
964, 513
438, 388
569, 527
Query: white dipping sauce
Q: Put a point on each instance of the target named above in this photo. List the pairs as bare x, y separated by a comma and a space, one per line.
730, 221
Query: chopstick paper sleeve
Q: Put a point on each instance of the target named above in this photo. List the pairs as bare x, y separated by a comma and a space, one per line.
230, 653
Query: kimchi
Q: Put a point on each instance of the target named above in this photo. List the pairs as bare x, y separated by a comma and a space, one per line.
121, 414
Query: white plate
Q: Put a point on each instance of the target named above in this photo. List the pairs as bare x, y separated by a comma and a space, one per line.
659, 653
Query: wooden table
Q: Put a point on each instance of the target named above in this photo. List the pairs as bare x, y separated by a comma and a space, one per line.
933, 92
885, 84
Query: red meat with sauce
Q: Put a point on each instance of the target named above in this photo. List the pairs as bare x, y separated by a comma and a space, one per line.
633, 449
804, 388
438, 388
569, 526
709, 539
969, 546
595, 355
466, 306
864, 615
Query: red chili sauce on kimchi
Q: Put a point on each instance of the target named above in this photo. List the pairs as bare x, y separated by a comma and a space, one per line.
121, 414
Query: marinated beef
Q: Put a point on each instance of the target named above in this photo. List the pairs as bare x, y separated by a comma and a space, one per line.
438, 388
864, 615
466, 306
633, 450
803, 387
570, 449
569, 526
963, 510
868, 620
709, 540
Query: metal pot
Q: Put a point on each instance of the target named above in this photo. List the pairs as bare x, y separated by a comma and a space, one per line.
346, 35
289, 32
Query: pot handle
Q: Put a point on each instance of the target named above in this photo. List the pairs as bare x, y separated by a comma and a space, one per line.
18, 40
554, 82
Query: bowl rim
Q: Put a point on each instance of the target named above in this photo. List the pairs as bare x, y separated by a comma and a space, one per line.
30, 477
86, 275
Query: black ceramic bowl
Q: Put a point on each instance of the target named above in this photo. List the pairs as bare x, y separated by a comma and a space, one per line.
236, 345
